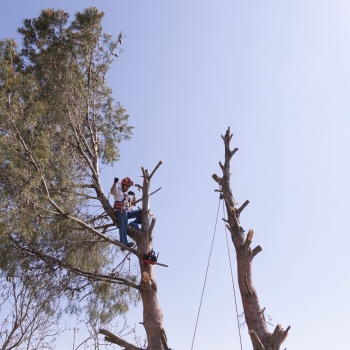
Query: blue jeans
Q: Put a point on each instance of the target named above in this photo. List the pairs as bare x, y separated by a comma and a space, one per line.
123, 222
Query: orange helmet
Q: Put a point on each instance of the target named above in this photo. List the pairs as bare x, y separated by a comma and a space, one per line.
127, 181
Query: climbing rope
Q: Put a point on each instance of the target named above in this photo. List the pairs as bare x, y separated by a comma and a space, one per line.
206, 274
233, 283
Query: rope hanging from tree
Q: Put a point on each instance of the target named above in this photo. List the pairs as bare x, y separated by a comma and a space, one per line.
206, 275
233, 283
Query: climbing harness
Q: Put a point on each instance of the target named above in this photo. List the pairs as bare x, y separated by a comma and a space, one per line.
119, 205
206, 274
150, 258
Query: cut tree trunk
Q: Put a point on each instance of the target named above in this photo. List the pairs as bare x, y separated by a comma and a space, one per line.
152, 313
261, 338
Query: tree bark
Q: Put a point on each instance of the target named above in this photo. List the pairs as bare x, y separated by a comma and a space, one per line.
261, 338
152, 313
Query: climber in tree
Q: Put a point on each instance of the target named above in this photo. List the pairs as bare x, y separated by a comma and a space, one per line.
123, 200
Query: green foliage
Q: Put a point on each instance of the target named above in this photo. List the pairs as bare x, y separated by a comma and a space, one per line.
58, 118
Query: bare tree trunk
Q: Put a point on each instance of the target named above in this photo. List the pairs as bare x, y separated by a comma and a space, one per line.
152, 313
261, 338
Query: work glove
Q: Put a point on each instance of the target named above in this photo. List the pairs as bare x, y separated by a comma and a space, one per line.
131, 193
116, 180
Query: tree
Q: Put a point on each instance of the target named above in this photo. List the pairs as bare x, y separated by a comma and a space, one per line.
261, 338
31, 321
58, 121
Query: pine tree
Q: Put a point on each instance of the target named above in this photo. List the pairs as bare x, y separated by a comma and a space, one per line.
58, 121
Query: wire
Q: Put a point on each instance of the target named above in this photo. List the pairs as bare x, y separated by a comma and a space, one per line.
233, 283
206, 274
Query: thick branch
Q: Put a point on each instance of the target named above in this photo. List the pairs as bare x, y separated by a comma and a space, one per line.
274, 335
153, 222
256, 250
216, 178
248, 241
233, 152
112, 338
231, 212
241, 208
282, 336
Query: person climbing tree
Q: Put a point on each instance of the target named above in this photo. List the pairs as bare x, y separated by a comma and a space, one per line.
122, 208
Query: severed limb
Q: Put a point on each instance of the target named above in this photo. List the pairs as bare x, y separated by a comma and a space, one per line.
240, 209
112, 338
256, 250
248, 241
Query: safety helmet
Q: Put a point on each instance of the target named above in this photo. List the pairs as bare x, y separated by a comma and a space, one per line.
127, 181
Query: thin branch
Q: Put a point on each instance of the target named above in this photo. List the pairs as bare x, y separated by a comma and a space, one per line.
155, 169
139, 200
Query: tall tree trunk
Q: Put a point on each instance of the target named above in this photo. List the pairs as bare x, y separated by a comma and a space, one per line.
261, 338
152, 313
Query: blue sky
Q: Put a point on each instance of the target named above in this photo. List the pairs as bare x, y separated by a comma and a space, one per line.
278, 73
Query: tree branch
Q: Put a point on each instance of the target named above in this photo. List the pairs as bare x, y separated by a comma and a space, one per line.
112, 338
155, 169
234, 151
52, 261
240, 209
139, 200
274, 335
248, 241
256, 250
153, 222
217, 178
283, 336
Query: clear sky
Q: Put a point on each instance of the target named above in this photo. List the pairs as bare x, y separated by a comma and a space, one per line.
278, 73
